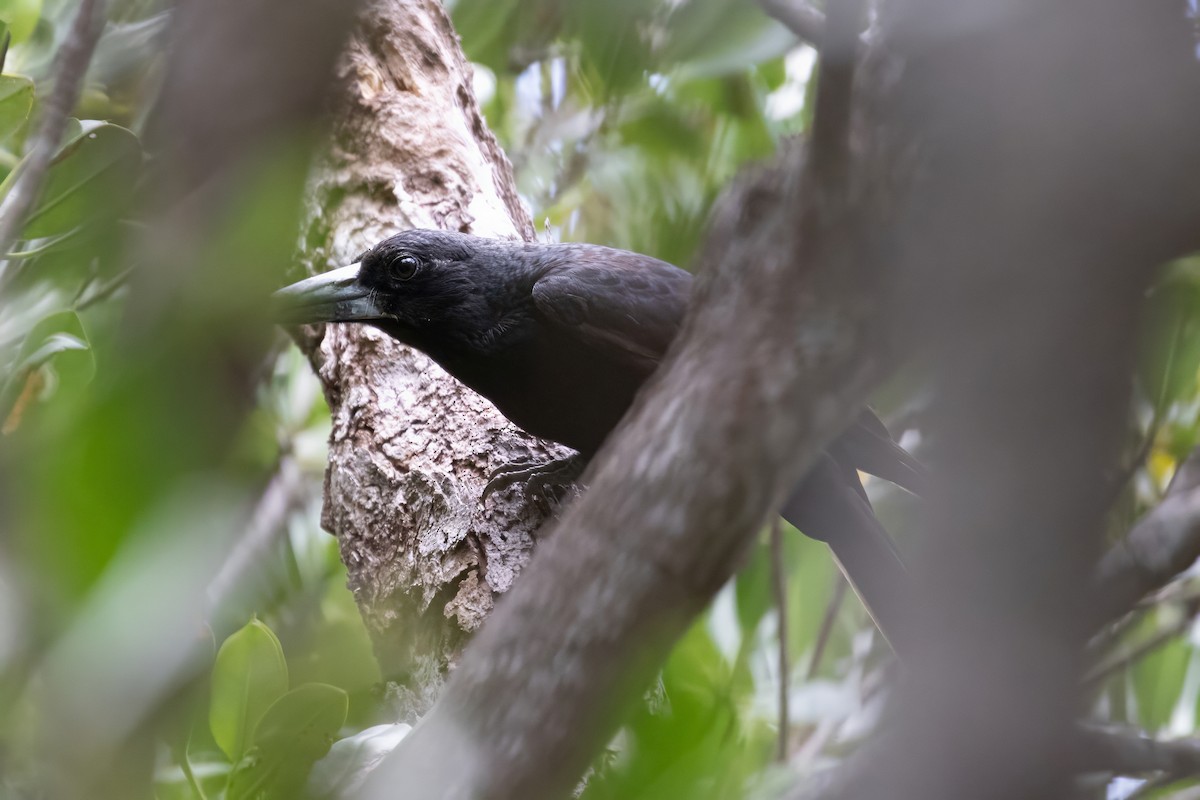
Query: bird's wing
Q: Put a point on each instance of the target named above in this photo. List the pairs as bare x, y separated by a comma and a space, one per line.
629, 307
867, 445
829, 506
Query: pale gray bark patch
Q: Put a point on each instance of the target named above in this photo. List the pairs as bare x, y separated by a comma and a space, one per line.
410, 447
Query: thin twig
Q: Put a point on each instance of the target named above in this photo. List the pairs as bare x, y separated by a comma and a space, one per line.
1139, 457
105, 291
1164, 543
1132, 655
185, 764
779, 588
71, 65
1131, 752
831, 611
1181, 593
799, 17
266, 524
835, 92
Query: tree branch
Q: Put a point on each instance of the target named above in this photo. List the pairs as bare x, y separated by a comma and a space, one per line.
267, 524
998, 290
411, 446
799, 17
71, 66
1131, 753
779, 591
776, 357
835, 92
1091, 749
1161, 545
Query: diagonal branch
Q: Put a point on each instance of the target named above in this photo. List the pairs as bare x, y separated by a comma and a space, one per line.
799, 17
1163, 544
779, 351
71, 65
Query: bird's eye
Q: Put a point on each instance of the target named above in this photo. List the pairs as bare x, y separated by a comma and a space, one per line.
405, 267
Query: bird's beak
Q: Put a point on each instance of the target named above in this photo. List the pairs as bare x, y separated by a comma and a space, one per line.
335, 296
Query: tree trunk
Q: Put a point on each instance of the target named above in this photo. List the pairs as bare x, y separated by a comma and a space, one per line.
411, 447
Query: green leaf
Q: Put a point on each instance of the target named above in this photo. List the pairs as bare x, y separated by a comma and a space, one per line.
1171, 351
614, 50
21, 16
664, 130
250, 674
304, 720
51, 339
753, 590
53, 345
1158, 677
711, 38
95, 172
489, 29
296, 731
16, 101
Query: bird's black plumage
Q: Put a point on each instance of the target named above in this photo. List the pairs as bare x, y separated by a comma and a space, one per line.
560, 337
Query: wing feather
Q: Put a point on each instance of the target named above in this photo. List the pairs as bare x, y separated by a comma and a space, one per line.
626, 306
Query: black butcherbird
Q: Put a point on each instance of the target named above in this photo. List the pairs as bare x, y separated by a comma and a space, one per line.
561, 336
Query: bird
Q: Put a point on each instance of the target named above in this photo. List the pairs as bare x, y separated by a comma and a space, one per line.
560, 337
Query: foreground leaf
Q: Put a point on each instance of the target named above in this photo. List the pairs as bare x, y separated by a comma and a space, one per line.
294, 733
94, 174
250, 674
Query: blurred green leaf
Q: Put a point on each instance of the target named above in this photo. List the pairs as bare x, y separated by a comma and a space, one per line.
16, 101
491, 28
753, 589
303, 720
93, 175
773, 73
294, 733
250, 674
21, 16
711, 38
1158, 676
1171, 350
59, 337
663, 129
614, 52
53, 345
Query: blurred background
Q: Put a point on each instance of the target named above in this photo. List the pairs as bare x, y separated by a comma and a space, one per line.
173, 621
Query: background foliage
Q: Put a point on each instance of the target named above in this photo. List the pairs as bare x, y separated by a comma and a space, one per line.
623, 121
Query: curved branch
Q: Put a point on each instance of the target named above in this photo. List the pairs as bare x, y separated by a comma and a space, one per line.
1161, 545
776, 357
807, 22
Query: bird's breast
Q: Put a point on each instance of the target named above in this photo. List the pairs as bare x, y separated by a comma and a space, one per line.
555, 388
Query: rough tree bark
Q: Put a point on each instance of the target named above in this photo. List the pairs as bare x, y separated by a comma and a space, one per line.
777, 355
1027, 239
972, 129
411, 447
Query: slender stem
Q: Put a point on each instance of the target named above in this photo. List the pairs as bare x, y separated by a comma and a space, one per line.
44, 247
1134, 654
831, 612
186, 765
779, 587
838, 53
105, 291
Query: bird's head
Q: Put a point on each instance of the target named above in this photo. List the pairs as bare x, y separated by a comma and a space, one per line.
411, 283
